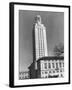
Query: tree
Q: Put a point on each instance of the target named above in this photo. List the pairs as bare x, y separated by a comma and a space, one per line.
59, 49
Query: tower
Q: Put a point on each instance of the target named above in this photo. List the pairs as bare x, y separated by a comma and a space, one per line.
39, 39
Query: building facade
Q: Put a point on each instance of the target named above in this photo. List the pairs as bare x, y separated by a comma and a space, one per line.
50, 67
23, 75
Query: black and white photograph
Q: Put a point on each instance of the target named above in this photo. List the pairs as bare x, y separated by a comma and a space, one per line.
41, 44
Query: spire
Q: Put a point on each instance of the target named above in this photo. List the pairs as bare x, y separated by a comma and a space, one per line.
38, 19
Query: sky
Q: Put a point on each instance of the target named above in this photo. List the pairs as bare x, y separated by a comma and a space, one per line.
54, 23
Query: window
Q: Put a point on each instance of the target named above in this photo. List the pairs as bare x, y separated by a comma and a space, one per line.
60, 70
25, 76
56, 65
53, 71
49, 65
49, 71
42, 72
45, 72
63, 64
20, 78
53, 65
61, 75
45, 65
20, 73
57, 71
45, 76
60, 64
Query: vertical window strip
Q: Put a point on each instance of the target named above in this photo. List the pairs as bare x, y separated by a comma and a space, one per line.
43, 43
39, 40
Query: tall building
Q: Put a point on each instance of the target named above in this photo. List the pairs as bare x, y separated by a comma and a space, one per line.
39, 31
39, 39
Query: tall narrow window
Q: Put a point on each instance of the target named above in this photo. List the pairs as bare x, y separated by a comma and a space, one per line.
60, 64
56, 65
45, 65
53, 65
63, 64
49, 65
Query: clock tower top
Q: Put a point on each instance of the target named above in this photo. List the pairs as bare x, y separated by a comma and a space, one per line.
38, 19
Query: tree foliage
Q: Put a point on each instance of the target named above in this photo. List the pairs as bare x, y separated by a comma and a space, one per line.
59, 49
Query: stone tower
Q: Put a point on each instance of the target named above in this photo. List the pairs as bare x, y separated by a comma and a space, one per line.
39, 39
